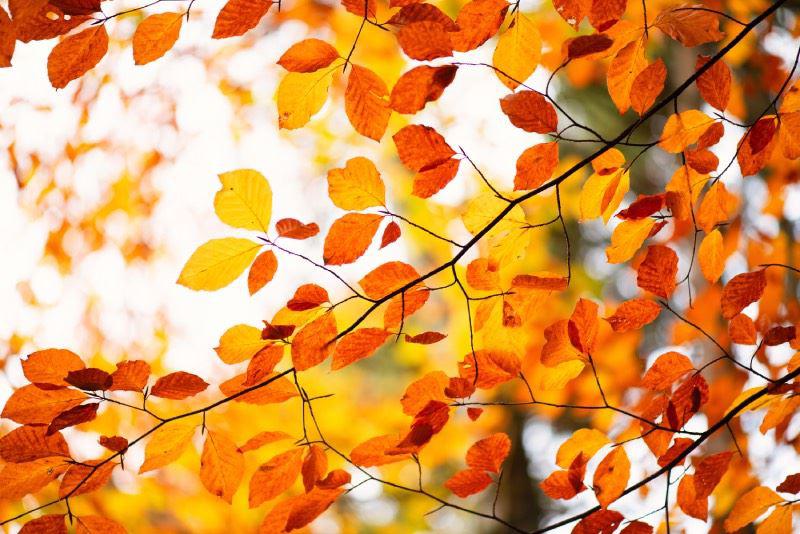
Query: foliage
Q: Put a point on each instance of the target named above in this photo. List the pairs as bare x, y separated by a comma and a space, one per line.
714, 289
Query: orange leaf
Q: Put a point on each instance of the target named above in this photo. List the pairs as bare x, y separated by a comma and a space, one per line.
718, 206
130, 376
426, 338
155, 36
47, 524
611, 476
262, 271
489, 453
387, 278
85, 478
667, 369
350, 237
657, 272
425, 40
627, 238
742, 290
647, 85
263, 438
95, 524
572, 11
27, 443
584, 442
178, 385
750, 506
74, 416
390, 234
688, 500
307, 507
582, 327
715, 83
482, 274
114, 443
294, 229
373, 452
334, 479
31, 405
423, 390
308, 297
600, 522
468, 482
536, 165
711, 257
684, 129
221, 466
419, 86
275, 476
357, 345
586, 45
239, 16
530, 111
76, 55
478, 21
51, 366
709, 471
314, 467
366, 104
606, 13
421, 147
314, 342
633, 314
308, 55
430, 181
742, 330
18, 480
691, 27
493, 367
623, 70
91, 379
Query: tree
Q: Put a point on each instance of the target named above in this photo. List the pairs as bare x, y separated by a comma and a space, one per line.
666, 369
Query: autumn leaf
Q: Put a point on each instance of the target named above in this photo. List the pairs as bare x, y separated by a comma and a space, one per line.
468, 482
130, 375
244, 200
217, 263
366, 102
536, 165
308, 55
51, 366
221, 465
529, 111
166, 445
666, 370
350, 237
750, 506
710, 256
478, 21
95, 524
627, 238
300, 96
28, 443
715, 83
178, 385
489, 453
742, 290
238, 16
688, 25
32, 405
275, 476
261, 271
658, 270
76, 55
647, 85
357, 186
623, 70
357, 345
419, 86
517, 53
85, 478
611, 476
47, 524
155, 36
585, 441
314, 342
684, 129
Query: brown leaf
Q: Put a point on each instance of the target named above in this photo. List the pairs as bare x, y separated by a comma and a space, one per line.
599, 522
585, 45
91, 379
74, 416
426, 338
114, 443
791, 484
178, 385
8, 40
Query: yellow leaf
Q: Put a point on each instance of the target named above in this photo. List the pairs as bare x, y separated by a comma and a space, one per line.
221, 466
518, 52
217, 263
749, 506
357, 186
245, 200
166, 445
155, 36
300, 96
627, 238
240, 343
586, 441
778, 522
603, 193
684, 129
711, 256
